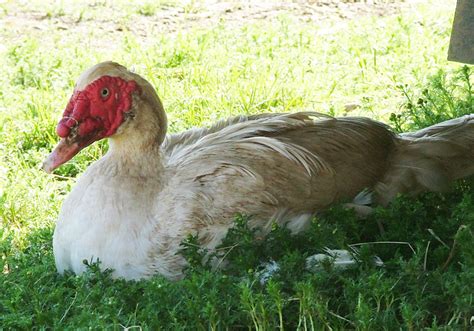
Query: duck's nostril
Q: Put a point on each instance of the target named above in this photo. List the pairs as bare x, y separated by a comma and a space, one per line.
71, 122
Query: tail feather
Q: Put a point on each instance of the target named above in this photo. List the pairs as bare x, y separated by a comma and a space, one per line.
429, 159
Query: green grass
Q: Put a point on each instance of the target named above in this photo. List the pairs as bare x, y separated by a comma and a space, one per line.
392, 68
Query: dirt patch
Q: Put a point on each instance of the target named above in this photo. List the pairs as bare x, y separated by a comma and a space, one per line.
237, 13
145, 19
240, 11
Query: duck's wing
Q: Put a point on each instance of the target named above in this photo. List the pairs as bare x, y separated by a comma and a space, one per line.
299, 162
174, 142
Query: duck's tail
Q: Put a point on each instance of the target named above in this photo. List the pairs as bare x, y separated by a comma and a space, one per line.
429, 159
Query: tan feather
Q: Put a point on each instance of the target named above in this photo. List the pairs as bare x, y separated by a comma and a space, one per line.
429, 159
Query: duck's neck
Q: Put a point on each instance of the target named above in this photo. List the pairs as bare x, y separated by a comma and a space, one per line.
141, 158
135, 151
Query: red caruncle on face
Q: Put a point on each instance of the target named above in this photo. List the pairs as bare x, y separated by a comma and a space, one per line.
98, 110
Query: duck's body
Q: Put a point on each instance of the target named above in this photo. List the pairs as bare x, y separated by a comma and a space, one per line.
132, 212
132, 208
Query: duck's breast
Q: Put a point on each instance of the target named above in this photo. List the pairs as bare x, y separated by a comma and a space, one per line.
105, 219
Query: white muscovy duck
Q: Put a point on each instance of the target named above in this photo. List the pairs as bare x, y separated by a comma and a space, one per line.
132, 208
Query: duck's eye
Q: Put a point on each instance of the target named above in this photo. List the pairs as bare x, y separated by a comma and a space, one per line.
104, 93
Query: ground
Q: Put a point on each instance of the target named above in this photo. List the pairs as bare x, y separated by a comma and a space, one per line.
178, 16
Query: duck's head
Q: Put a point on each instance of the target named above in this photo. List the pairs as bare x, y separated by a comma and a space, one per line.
108, 101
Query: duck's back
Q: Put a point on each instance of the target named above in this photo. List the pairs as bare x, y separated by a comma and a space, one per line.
277, 167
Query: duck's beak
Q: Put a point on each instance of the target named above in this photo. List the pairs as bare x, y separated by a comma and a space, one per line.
63, 152
68, 147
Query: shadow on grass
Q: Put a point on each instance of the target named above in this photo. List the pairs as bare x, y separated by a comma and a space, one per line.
431, 285
426, 244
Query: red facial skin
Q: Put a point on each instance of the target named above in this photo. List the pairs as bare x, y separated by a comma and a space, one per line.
94, 113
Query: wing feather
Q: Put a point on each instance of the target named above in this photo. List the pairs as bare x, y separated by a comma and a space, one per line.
301, 161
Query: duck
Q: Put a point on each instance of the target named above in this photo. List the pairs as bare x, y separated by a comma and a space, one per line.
131, 209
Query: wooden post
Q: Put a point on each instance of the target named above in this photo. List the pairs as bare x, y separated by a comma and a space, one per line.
461, 46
